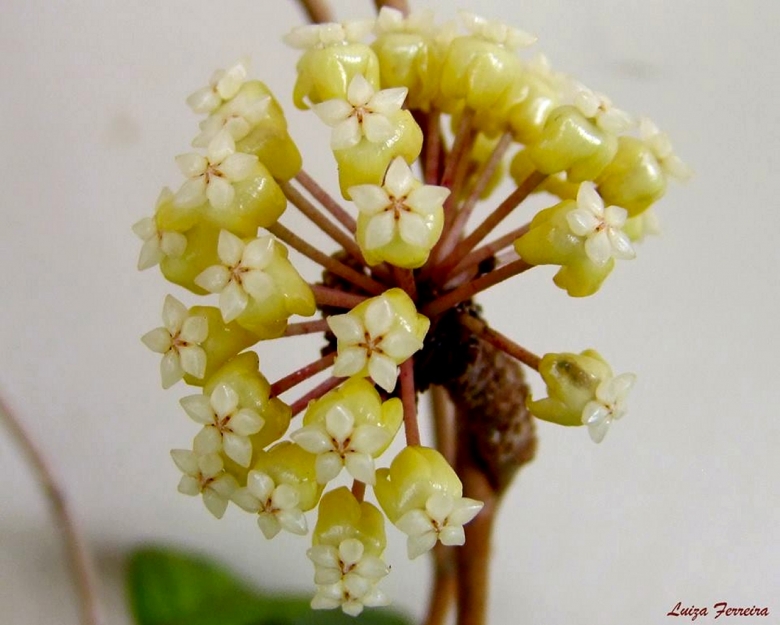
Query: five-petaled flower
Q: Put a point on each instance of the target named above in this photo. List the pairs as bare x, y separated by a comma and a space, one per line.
364, 113
211, 177
598, 107
223, 85
601, 227
158, 243
608, 405
226, 427
179, 340
277, 505
204, 474
661, 146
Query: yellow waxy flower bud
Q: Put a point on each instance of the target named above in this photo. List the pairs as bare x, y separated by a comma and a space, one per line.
170, 217
527, 116
200, 253
582, 391
342, 517
367, 162
572, 143
634, 179
422, 495
242, 375
223, 342
571, 381
349, 427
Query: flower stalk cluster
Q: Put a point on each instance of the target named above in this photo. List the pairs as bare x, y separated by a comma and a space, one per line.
411, 261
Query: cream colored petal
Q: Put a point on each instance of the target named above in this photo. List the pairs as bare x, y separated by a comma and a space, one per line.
224, 400
377, 128
285, 497
261, 485
345, 134
361, 467
582, 222
173, 244
616, 389
598, 430
388, 101
380, 230
333, 112
189, 485
349, 361
400, 345
379, 317
415, 523
237, 448
221, 146
383, 371
621, 244
464, 510
145, 229
370, 199
339, 423
425, 200
151, 254
399, 179
173, 315
615, 121
158, 340
204, 100
347, 328
313, 439
351, 551
359, 91
238, 166
170, 369
293, 521
193, 360
207, 441
413, 230
232, 79
328, 466
198, 407
246, 422
214, 503
259, 253
245, 500
598, 248
615, 216
418, 545
324, 556
214, 279
369, 439
589, 199
594, 412
192, 193
269, 525
220, 192
233, 301
192, 165
185, 460
438, 506
452, 536
259, 285
194, 329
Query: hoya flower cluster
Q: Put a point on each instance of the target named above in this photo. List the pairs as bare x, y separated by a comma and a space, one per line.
409, 264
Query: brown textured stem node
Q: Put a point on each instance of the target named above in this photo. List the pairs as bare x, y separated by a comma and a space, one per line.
318, 11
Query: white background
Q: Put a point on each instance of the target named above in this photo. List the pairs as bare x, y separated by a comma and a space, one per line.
680, 503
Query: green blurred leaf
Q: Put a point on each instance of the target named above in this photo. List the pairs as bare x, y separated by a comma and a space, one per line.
168, 587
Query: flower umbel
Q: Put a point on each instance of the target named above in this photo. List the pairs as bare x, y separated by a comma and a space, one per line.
394, 300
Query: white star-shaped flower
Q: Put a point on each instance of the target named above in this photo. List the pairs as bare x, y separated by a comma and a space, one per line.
204, 474
210, 177
223, 85
179, 340
661, 146
598, 107
496, 32
347, 577
398, 207
338, 443
241, 273
442, 519
372, 342
238, 118
331, 34
601, 227
608, 406
158, 243
225, 427
277, 506
365, 113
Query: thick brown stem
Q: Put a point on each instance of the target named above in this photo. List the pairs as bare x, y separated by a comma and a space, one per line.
409, 400
433, 145
78, 558
325, 296
400, 5
318, 391
304, 373
486, 227
502, 342
327, 201
306, 327
473, 558
331, 264
444, 587
318, 11
322, 222
470, 289
404, 278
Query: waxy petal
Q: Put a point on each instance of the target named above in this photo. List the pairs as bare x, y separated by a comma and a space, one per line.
399, 178
214, 279
224, 400
380, 230
261, 485
199, 409
233, 300
598, 248
413, 230
193, 360
349, 362
347, 328
158, 340
237, 448
377, 128
361, 467
383, 371
370, 199
170, 369
427, 199
339, 423
379, 317
238, 166
220, 192
345, 134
